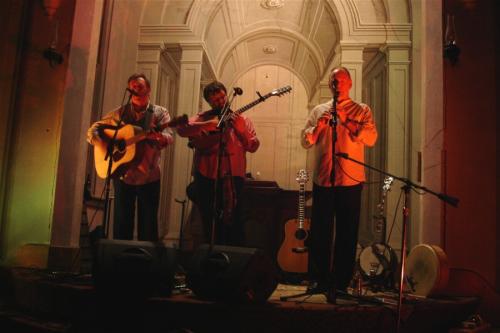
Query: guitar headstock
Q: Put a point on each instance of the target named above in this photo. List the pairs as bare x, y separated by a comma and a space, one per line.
179, 120
280, 91
302, 176
387, 184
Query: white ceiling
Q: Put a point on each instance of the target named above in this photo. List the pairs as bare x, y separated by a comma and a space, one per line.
300, 35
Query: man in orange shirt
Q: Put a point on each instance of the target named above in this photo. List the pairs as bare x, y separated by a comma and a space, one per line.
336, 202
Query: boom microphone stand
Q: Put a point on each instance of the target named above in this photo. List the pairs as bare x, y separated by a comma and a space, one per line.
408, 185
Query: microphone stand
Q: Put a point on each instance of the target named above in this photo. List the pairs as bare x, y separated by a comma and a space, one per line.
221, 125
109, 158
333, 125
408, 185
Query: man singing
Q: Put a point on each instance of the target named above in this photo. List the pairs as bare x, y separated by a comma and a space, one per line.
336, 202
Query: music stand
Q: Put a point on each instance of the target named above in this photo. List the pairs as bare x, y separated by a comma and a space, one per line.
408, 185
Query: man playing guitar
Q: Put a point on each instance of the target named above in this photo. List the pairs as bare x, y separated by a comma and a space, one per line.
140, 178
228, 168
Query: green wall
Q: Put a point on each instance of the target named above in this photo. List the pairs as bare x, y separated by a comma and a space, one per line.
32, 130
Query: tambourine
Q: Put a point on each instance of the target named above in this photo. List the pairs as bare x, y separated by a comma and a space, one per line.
378, 264
427, 271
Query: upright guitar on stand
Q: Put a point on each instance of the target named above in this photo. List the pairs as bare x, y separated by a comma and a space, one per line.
292, 255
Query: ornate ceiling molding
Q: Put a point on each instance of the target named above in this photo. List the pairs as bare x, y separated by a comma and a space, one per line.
272, 4
269, 49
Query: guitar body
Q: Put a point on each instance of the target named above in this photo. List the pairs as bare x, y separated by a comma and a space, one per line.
120, 158
289, 259
133, 135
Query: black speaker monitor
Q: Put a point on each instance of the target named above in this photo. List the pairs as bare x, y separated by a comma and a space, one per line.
134, 267
234, 274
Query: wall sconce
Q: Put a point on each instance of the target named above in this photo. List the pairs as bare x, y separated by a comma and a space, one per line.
50, 8
451, 51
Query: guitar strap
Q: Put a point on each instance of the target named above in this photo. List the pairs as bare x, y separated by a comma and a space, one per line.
146, 121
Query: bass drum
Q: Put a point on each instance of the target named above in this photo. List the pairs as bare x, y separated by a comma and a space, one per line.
378, 264
427, 271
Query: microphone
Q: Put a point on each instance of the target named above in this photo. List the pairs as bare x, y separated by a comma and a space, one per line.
335, 82
343, 155
132, 92
238, 91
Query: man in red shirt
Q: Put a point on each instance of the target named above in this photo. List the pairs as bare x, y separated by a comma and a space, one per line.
228, 167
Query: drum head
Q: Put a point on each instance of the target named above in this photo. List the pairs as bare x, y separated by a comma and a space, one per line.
377, 262
426, 270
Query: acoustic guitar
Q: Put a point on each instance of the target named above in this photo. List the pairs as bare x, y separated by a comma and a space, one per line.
132, 135
293, 254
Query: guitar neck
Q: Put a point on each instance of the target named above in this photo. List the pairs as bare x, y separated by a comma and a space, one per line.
302, 204
252, 104
143, 134
136, 138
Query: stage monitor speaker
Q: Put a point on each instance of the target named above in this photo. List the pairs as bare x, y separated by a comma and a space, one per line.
134, 268
232, 274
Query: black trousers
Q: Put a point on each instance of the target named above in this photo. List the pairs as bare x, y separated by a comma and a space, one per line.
225, 234
334, 208
148, 199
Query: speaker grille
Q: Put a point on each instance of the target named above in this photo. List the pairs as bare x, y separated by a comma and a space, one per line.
234, 274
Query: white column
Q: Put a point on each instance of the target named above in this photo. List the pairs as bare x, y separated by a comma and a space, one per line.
148, 62
188, 103
351, 57
398, 130
428, 116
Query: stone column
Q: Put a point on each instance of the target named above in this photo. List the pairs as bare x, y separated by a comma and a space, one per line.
189, 103
398, 130
351, 57
68, 200
148, 62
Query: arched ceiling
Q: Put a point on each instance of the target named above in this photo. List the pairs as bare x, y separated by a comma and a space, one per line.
300, 35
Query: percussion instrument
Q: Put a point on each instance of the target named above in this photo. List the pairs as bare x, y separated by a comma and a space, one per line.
427, 270
378, 263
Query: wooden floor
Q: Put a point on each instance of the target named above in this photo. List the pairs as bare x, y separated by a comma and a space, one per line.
71, 304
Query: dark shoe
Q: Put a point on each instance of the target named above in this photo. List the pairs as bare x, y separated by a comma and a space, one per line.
313, 285
317, 288
331, 296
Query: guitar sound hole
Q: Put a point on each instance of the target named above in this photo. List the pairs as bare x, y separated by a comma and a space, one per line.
300, 234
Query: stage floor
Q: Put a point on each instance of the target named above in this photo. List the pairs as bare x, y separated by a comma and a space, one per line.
70, 303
